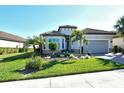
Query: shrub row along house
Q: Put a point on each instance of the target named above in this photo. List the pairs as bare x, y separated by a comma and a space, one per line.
99, 41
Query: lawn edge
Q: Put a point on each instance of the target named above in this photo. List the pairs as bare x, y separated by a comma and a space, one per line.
42, 77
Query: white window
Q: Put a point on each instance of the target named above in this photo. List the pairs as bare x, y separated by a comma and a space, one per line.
67, 28
62, 29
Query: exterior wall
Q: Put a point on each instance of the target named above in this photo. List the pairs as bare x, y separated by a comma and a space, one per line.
60, 39
10, 44
66, 31
118, 41
76, 45
76, 51
50, 52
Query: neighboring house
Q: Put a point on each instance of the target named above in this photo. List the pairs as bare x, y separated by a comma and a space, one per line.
11, 41
118, 41
99, 41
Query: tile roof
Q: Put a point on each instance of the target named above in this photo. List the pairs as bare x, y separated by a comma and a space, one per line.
67, 26
10, 37
87, 31
53, 33
96, 31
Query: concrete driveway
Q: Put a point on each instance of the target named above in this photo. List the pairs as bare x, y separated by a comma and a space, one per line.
115, 57
107, 79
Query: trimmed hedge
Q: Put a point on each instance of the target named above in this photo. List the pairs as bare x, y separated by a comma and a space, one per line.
8, 50
13, 50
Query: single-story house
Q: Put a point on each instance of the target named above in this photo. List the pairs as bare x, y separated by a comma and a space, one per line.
118, 41
11, 41
100, 41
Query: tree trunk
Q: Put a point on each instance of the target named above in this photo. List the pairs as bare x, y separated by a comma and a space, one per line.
34, 48
40, 47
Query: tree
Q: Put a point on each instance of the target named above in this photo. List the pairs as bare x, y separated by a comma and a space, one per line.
120, 26
40, 41
31, 41
52, 47
36, 40
79, 35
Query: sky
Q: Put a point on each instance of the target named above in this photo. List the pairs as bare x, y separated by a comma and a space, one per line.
32, 20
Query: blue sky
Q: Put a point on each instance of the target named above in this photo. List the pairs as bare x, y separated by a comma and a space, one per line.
33, 20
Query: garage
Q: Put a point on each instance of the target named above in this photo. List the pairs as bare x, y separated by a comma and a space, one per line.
96, 46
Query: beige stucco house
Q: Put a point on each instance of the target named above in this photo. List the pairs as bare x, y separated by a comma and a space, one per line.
100, 41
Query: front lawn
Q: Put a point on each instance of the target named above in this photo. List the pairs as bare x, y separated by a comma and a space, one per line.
11, 64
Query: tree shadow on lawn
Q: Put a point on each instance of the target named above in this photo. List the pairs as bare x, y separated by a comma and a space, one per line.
12, 58
55, 62
107, 62
44, 66
26, 71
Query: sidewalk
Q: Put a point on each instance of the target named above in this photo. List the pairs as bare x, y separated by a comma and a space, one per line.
107, 79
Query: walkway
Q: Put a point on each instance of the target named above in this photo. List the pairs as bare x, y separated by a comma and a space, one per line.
107, 79
115, 57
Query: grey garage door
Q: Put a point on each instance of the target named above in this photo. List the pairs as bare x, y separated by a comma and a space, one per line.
96, 46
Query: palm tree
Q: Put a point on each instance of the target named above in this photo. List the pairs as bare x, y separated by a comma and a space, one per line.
39, 40
79, 35
36, 40
120, 26
31, 41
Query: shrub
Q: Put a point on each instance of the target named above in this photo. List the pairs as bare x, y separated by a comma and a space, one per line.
120, 49
57, 55
66, 55
115, 49
89, 54
123, 51
34, 64
8, 50
25, 50
52, 46
29, 49
13, 50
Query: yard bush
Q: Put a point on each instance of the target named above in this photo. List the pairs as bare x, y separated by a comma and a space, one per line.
13, 50
34, 64
117, 49
66, 55
25, 49
57, 55
8, 50
53, 47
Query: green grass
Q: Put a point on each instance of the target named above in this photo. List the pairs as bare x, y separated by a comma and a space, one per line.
10, 65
